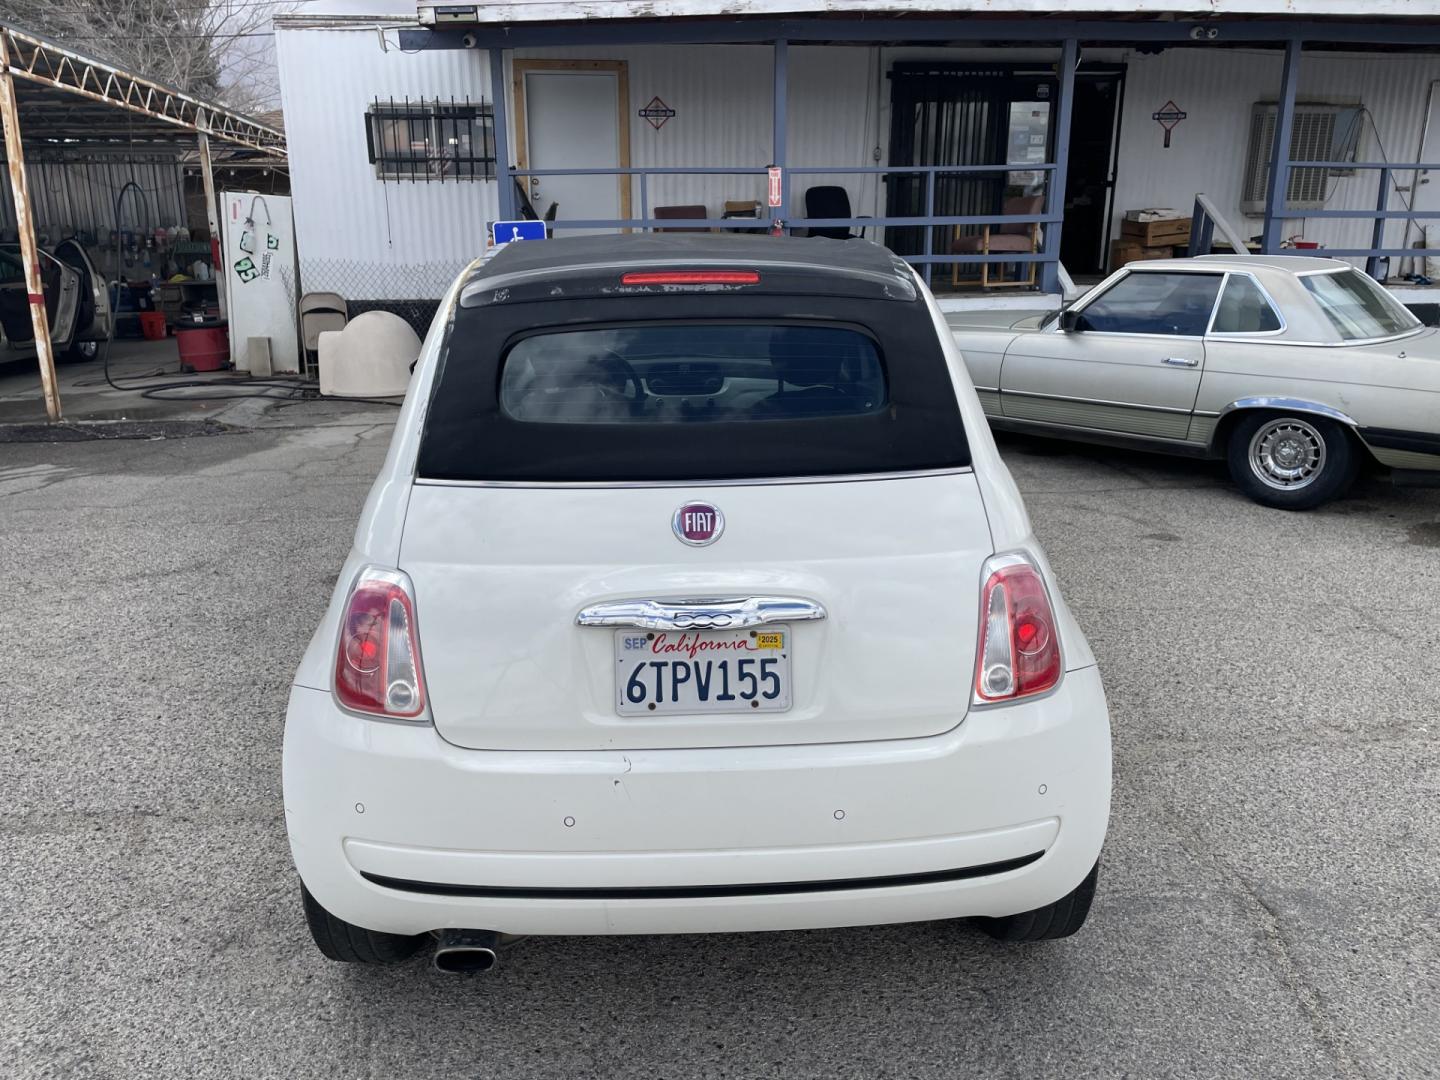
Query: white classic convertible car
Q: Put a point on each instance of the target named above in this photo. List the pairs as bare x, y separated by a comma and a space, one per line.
1296, 370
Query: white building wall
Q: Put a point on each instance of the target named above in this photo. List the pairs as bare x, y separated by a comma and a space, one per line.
368, 240
1217, 89
724, 117
402, 240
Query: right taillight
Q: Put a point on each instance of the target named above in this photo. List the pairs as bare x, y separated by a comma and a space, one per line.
377, 663
1019, 650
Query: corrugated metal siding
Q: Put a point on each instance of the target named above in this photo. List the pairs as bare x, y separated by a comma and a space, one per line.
357, 236
721, 98
1217, 88
724, 117
71, 198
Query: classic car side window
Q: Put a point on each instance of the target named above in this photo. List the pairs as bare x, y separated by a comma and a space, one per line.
1357, 307
1245, 309
1151, 302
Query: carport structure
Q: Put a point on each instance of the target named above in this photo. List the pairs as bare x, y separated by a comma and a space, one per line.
67, 103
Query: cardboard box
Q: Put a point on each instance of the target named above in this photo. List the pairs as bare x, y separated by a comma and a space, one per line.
1162, 233
1126, 250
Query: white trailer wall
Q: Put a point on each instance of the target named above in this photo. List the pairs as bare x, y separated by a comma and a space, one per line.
368, 240
1217, 89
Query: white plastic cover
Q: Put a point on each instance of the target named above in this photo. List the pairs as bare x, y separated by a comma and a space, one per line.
371, 357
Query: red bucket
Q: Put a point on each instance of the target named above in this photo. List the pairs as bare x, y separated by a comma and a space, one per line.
203, 348
152, 325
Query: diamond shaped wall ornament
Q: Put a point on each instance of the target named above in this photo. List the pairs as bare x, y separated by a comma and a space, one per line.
657, 112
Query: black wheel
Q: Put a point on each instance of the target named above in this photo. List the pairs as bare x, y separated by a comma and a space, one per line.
80, 352
351, 944
1291, 462
1057, 920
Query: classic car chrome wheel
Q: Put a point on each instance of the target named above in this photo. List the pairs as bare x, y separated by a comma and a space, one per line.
1287, 454
1291, 462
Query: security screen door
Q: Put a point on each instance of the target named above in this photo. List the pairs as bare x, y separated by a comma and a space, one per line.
964, 114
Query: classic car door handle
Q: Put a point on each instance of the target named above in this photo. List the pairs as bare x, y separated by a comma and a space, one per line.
1181, 361
729, 613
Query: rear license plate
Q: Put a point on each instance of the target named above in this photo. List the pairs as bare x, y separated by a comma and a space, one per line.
663, 672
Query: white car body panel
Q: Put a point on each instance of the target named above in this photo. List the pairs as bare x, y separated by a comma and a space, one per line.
580, 799
500, 573
395, 800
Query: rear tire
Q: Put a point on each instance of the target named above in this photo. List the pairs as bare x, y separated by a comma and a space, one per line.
350, 944
1057, 920
1291, 462
80, 352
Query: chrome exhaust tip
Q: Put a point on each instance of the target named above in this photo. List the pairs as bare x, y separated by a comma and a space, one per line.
467, 952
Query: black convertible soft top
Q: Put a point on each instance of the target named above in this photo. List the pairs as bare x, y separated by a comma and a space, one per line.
589, 266
535, 292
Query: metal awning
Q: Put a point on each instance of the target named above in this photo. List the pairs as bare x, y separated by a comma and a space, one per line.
59, 101
66, 97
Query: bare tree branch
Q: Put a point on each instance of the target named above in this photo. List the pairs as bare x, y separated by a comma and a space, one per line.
218, 49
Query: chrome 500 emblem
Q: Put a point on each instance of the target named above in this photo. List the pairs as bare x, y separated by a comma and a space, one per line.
698, 524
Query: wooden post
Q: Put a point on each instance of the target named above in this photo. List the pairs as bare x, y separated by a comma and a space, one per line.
212, 213
25, 225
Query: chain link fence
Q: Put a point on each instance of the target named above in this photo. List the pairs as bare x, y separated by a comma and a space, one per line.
411, 291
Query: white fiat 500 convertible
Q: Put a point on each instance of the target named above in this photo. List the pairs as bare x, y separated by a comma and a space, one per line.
692, 596
1295, 370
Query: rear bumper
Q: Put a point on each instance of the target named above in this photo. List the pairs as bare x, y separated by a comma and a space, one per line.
396, 830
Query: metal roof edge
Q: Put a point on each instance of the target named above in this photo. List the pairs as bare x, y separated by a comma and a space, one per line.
488, 12
296, 20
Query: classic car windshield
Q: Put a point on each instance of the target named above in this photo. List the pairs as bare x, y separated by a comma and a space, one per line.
1357, 307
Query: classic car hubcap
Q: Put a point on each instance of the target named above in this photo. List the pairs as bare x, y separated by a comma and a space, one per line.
1287, 454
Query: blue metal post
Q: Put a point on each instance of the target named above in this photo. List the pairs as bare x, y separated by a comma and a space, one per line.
1055, 184
781, 125
1377, 234
505, 183
929, 229
1280, 152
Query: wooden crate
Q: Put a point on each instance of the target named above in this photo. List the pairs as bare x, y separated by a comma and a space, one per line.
1124, 251
1166, 232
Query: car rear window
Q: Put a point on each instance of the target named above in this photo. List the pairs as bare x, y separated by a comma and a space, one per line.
691, 374
1357, 307
691, 388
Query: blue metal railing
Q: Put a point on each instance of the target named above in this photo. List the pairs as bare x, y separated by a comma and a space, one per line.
928, 221
1380, 215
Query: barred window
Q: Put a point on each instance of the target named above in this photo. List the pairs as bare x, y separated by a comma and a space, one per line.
431, 140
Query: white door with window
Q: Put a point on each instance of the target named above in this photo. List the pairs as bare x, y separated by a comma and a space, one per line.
573, 120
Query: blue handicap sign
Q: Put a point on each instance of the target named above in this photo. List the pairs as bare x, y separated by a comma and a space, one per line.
509, 231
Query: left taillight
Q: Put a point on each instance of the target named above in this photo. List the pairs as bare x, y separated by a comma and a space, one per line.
1018, 654
377, 663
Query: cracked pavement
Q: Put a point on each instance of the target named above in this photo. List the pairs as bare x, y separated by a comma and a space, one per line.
1267, 908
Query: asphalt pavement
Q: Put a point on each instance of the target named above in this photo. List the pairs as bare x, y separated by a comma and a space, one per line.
1267, 908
